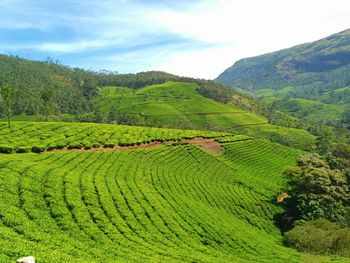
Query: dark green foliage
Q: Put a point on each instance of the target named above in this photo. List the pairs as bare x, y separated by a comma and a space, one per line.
216, 91
320, 237
7, 96
325, 141
6, 149
24, 149
38, 148
46, 96
316, 191
346, 118
138, 80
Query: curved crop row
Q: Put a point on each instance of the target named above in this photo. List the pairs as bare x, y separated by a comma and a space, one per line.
39, 137
169, 204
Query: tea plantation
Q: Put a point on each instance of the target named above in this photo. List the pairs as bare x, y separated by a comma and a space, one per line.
174, 203
179, 105
38, 137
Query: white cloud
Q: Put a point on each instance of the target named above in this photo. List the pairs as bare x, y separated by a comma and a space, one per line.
219, 32
248, 28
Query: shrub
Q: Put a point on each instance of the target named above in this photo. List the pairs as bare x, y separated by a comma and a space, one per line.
6, 149
60, 145
109, 144
75, 145
38, 148
87, 145
320, 237
23, 149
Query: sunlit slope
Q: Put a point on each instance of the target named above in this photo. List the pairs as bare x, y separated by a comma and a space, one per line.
174, 104
178, 105
171, 204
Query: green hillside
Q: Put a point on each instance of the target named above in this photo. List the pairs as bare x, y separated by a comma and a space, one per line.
179, 105
316, 71
173, 203
309, 110
41, 88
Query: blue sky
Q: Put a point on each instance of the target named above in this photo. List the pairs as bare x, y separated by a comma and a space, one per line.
194, 38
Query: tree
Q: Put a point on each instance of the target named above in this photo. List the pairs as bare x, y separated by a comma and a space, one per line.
6, 96
325, 141
316, 191
346, 117
46, 96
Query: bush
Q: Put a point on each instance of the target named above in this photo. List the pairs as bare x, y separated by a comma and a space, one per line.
60, 145
23, 149
75, 145
38, 148
109, 144
6, 149
87, 145
320, 237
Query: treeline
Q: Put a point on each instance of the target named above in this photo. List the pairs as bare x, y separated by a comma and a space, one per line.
225, 94
138, 80
71, 90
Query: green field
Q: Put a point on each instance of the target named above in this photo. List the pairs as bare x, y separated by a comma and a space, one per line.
178, 105
173, 203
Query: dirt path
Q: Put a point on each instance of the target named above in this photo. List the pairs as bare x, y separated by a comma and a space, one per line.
208, 145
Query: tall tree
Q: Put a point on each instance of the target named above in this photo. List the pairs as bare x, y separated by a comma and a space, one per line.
46, 96
6, 97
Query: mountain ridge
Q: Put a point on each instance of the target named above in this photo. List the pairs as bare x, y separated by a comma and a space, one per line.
298, 65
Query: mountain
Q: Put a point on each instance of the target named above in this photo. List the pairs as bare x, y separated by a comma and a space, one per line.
316, 71
322, 65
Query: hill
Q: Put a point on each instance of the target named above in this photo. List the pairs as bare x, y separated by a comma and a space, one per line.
316, 71
68, 90
42, 91
180, 105
175, 203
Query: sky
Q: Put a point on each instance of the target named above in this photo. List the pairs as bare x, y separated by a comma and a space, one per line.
196, 38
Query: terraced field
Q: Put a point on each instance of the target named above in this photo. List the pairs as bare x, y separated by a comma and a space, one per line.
174, 203
173, 104
179, 105
38, 137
